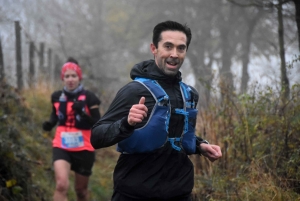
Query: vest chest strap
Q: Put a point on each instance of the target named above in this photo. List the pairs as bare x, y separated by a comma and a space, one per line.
186, 118
172, 142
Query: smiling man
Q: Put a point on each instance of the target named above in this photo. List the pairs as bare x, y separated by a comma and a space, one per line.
152, 119
170, 52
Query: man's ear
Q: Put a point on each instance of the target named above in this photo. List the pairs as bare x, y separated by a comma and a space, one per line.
153, 49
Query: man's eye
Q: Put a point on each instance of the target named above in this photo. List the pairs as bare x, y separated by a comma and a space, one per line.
181, 48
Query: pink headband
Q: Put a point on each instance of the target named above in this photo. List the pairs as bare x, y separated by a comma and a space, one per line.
71, 66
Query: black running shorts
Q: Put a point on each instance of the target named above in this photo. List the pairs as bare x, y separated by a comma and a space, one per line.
81, 161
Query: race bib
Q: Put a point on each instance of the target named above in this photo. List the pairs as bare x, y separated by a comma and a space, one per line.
72, 139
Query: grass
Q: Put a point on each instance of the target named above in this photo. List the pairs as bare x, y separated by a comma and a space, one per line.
259, 140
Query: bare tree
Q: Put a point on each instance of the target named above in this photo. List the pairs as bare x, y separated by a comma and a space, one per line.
297, 6
108, 38
246, 44
285, 86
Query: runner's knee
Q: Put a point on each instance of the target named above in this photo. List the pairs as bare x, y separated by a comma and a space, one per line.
62, 186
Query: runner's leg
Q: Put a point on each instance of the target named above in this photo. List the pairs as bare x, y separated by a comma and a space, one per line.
62, 171
81, 187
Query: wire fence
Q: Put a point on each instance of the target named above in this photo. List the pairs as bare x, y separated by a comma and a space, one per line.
23, 60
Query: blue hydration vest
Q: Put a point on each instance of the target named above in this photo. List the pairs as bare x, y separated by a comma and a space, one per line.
154, 134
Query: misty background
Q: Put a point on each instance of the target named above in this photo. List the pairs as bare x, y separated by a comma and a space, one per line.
235, 39
243, 59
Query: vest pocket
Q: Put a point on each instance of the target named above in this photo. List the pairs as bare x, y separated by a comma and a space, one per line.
189, 138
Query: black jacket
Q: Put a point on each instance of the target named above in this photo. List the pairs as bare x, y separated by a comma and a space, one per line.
165, 173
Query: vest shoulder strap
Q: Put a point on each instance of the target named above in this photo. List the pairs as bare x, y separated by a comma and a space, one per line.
186, 91
156, 90
190, 94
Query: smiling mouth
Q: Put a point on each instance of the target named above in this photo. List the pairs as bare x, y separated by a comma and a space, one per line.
172, 62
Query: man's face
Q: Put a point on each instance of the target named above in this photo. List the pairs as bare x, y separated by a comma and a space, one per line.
171, 51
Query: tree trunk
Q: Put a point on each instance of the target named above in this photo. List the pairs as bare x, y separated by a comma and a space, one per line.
204, 69
227, 50
2, 74
18, 56
203, 75
226, 78
245, 61
201, 53
285, 88
297, 8
246, 51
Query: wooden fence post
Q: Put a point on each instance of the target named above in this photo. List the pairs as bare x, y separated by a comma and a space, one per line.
19, 56
41, 58
49, 70
2, 74
31, 74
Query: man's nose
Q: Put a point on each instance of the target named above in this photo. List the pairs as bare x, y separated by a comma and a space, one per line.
174, 53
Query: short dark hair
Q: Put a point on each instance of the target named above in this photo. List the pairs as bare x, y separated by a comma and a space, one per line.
71, 59
170, 26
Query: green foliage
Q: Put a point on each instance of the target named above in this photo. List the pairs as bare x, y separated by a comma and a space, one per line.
260, 142
26, 151
18, 133
258, 133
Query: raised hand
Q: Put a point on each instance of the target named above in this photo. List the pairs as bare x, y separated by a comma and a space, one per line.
137, 112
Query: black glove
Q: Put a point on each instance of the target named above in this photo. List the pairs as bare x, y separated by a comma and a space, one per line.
47, 126
77, 107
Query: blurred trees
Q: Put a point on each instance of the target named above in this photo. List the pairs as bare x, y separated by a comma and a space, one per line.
241, 55
109, 37
278, 6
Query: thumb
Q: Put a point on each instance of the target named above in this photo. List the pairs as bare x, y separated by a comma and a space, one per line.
142, 100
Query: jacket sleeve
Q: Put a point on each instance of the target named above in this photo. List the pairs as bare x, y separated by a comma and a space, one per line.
108, 134
53, 117
94, 112
113, 127
93, 118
